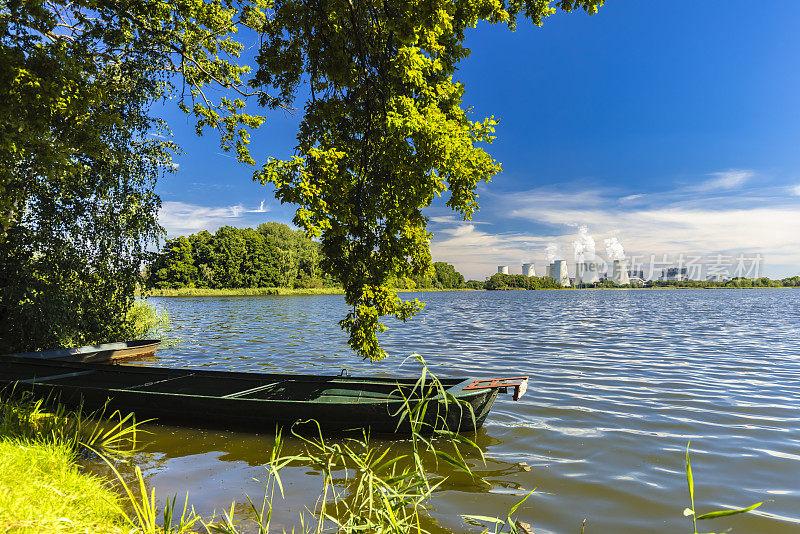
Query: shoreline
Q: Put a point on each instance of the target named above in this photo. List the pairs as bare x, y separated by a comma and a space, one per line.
267, 291
285, 291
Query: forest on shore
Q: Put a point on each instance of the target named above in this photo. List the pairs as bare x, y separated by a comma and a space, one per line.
270, 255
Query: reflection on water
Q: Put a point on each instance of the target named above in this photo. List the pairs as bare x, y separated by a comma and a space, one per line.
621, 381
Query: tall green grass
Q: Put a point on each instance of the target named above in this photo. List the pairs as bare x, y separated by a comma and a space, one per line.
29, 419
42, 490
41, 486
144, 321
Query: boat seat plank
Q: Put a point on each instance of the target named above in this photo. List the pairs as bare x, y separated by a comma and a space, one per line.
251, 390
154, 382
53, 377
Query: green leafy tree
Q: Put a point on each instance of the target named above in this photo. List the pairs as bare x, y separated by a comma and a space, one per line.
230, 250
520, 281
447, 276
273, 255
203, 258
176, 266
383, 133
78, 163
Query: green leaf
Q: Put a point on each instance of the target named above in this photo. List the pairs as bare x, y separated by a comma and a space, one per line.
723, 513
458, 464
525, 498
485, 518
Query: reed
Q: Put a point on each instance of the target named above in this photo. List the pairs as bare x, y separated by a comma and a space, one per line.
691, 512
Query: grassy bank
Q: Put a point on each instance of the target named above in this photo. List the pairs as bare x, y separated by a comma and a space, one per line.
240, 292
42, 487
42, 490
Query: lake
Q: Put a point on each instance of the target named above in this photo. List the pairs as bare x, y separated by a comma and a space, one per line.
621, 380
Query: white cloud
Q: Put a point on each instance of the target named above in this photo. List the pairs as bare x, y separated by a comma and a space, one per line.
716, 220
724, 180
796, 190
181, 218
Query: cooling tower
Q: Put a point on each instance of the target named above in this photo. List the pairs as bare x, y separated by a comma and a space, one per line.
548, 271
528, 269
619, 273
502, 269
589, 273
559, 272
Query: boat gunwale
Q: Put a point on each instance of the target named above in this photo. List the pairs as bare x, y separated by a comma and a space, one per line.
66, 352
454, 386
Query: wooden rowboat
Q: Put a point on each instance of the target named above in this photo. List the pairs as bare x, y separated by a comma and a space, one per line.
108, 352
255, 402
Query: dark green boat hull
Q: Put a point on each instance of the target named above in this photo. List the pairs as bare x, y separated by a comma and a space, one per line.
254, 402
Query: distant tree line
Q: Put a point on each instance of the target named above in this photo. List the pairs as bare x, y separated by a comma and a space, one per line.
444, 276
519, 281
274, 255
792, 281
271, 255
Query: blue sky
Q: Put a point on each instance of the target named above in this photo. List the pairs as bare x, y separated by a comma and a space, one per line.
671, 128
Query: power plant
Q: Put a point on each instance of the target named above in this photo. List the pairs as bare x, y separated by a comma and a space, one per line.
619, 272
558, 272
587, 272
587, 265
528, 269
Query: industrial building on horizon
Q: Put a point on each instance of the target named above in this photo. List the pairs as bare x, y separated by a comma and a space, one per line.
586, 272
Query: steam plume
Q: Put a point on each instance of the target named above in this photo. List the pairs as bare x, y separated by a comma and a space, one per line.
584, 246
551, 252
614, 249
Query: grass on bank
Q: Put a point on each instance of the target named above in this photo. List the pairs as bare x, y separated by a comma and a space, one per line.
43, 490
240, 292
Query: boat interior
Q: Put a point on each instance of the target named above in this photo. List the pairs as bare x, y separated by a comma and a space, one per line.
332, 389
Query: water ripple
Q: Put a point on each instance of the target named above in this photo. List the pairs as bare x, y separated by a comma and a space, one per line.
621, 381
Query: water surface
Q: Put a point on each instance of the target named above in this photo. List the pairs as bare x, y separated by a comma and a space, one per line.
621, 381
